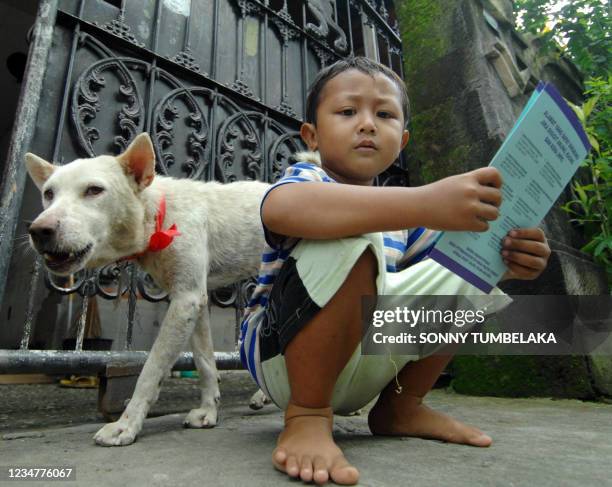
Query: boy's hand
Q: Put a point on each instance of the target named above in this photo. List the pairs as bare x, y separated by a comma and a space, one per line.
525, 251
464, 202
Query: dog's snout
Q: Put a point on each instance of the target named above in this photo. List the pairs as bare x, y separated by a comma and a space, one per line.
42, 232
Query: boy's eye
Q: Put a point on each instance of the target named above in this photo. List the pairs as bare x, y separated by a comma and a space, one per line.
347, 111
385, 114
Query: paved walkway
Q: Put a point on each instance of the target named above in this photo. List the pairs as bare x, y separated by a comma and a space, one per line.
537, 442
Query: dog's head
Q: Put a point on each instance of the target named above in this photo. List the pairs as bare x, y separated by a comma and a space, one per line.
93, 212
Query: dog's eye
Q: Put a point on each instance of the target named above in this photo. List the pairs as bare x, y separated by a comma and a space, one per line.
93, 190
48, 194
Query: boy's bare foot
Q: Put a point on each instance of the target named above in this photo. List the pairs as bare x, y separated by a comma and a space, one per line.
306, 448
408, 416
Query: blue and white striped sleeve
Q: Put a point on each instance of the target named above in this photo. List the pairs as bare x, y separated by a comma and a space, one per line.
301, 172
420, 242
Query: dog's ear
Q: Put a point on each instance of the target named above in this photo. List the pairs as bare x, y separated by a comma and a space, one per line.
38, 169
138, 160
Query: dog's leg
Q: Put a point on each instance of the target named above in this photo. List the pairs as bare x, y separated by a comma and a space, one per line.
259, 400
203, 355
183, 313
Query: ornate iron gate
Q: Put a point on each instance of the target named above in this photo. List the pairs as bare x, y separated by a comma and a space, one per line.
219, 84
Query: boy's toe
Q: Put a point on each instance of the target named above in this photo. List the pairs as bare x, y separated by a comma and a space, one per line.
292, 466
481, 440
306, 469
343, 473
320, 475
279, 458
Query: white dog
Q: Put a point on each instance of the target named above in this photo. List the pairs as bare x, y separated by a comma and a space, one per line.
104, 209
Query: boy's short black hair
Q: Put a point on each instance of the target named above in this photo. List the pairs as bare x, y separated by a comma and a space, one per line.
363, 64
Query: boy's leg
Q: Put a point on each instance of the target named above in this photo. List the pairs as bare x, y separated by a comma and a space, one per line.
404, 414
314, 359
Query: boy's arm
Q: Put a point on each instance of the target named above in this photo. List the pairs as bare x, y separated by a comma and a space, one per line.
324, 211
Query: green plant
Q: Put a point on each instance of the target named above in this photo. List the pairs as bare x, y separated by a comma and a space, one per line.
581, 30
591, 205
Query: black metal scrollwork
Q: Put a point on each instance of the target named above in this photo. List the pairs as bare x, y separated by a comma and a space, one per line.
165, 115
323, 11
323, 54
119, 28
149, 289
384, 13
110, 282
186, 59
393, 176
246, 127
231, 130
286, 28
225, 297
282, 153
202, 127
245, 8
86, 103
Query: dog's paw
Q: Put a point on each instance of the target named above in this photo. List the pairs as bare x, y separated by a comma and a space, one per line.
201, 418
259, 400
118, 433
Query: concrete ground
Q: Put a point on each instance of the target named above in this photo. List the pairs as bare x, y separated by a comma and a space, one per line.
537, 442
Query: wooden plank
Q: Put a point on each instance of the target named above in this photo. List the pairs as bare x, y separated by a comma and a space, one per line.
26, 379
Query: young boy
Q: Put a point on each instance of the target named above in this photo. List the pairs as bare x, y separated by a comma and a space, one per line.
334, 238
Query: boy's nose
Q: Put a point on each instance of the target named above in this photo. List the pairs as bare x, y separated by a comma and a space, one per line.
367, 125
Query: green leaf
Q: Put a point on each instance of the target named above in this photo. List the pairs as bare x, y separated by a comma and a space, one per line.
588, 248
587, 107
581, 194
605, 244
594, 143
578, 111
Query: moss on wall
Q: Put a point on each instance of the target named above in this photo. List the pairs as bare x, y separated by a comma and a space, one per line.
455, 128
424, 26
432, 150
519, 376
428, 128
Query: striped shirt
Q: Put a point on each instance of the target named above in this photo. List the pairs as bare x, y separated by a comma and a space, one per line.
402, 249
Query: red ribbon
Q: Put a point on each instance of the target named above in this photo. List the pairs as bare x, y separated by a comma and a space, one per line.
161, 238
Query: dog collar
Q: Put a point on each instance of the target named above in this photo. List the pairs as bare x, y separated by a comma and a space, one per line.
160, 238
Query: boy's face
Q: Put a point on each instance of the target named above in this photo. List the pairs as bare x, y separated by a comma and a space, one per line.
360, 126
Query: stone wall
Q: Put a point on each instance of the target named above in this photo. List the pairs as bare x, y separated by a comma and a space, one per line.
469, 75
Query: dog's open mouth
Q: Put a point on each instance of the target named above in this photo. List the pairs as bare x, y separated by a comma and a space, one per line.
61, 260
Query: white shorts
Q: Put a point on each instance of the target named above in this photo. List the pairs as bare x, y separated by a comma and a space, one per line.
312, 275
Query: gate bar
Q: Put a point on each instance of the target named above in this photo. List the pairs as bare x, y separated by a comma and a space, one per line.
65, 362
14, 177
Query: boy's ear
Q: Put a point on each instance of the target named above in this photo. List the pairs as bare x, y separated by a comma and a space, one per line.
138, 160
405, 138
38, 169
308, 132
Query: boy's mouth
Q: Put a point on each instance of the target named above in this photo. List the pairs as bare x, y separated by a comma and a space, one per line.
366, 145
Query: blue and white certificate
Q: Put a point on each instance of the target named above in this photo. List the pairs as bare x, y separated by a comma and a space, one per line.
536, 161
